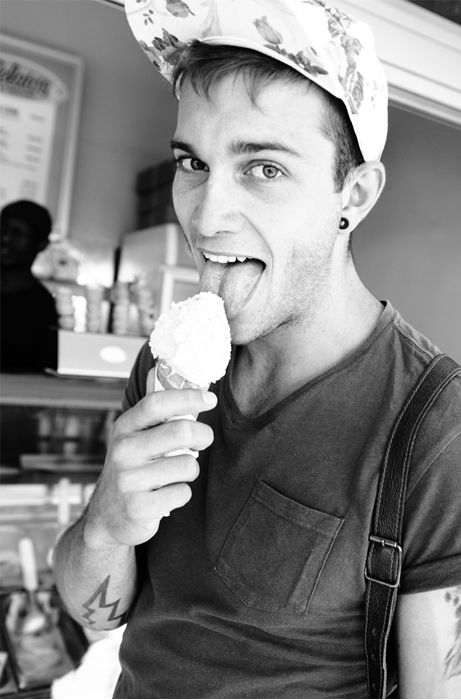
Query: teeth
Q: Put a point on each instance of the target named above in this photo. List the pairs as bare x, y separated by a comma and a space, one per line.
223, 259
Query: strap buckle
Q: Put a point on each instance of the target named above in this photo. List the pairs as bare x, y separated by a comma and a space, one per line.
396, 549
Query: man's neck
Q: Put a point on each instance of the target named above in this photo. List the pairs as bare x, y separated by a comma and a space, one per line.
271, 368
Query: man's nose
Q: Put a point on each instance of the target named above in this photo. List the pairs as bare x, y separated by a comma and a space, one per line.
217, 210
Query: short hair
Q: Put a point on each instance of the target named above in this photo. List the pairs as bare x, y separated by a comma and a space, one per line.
204, 64
34, 215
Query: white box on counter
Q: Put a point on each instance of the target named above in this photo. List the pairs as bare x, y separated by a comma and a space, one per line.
96, 354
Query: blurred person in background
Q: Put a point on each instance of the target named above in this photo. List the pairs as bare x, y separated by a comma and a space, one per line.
28, 311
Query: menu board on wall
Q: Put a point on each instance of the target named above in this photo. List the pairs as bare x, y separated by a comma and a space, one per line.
40, 92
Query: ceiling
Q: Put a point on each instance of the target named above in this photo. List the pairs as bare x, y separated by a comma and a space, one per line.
450, 9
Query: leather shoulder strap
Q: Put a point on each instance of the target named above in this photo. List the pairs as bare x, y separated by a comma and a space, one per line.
384, 558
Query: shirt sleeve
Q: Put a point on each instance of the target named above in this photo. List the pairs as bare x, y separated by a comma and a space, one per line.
432, 518
136, 386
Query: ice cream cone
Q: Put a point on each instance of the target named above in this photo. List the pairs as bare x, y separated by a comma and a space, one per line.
167, 378
192, 344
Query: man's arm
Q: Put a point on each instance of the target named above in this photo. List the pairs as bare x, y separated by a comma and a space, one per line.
429, 644
94, 561
97, 583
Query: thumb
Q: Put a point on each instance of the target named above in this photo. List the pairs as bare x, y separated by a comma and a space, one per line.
150, 381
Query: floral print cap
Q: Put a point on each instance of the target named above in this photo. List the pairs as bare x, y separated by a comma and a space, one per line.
329, 47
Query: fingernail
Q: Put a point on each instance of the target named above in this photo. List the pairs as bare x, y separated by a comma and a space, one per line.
209, 398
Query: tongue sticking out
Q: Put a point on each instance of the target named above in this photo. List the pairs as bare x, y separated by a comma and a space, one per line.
234, 282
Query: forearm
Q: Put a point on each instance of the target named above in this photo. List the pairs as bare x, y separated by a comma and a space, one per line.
97, 583
140, 483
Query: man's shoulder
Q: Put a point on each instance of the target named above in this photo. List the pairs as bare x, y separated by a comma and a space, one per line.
417, 351
442, 423
414, 344
407, 353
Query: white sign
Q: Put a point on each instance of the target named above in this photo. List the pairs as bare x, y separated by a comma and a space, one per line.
29, 97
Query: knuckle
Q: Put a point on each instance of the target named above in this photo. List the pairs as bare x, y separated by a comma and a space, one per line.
152, 408
182, 431
147, 406
193, 398
132, 508
117, 427
118, 448
124, 479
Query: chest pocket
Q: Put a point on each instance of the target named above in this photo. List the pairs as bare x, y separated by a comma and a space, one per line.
275, 552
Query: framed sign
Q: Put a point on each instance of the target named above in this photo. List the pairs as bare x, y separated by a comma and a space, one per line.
40, 98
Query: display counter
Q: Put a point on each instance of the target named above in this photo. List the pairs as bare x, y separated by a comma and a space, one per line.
54, 433
49, 390
55, 425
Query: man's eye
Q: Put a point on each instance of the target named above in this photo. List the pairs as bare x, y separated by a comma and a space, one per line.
265, 171
189, 164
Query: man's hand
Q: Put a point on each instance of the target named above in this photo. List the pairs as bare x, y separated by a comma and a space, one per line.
139, 484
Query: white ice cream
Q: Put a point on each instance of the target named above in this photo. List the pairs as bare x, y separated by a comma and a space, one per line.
193, 338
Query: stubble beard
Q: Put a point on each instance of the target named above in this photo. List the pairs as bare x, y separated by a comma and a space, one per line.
307, 285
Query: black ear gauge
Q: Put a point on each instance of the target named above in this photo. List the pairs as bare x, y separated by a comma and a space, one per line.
343, 223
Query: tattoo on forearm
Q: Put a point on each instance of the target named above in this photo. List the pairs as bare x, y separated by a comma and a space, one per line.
453, 658
98, 601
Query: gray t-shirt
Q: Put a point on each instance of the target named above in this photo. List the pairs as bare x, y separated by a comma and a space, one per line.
255, 589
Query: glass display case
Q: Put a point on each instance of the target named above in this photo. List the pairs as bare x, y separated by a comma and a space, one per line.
54, 434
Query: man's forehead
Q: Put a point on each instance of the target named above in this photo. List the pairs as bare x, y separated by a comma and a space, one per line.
280, 123
277, 105
243, 83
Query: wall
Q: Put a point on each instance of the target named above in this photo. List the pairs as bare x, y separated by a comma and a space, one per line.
408, 249
126, 106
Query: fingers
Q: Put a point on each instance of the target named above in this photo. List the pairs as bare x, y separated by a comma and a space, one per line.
141, 482
159, 406
135, 449
148, 507
159, 473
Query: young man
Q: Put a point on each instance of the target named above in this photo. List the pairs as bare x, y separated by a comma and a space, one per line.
255, 586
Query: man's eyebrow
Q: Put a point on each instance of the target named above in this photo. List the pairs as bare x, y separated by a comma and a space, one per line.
181, 146
243, 147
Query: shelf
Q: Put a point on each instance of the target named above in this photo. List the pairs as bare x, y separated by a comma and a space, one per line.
44, 390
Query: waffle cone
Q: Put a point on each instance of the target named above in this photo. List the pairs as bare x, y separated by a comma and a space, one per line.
167, 378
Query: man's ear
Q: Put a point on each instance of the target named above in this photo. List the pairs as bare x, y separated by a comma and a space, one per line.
361, 191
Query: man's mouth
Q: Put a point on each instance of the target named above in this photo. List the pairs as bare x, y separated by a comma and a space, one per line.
224, 259
233, 277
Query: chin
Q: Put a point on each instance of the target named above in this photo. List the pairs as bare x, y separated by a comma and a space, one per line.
246, 333
240, 335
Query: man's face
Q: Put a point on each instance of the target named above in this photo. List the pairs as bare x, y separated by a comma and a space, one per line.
19, 245
254, 193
